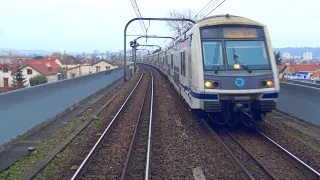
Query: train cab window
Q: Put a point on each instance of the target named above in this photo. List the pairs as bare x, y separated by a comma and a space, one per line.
253, 54
212, 56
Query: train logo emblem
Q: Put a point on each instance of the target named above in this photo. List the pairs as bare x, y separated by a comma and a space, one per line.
239, 82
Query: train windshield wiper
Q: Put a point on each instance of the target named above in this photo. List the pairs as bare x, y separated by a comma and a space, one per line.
217, 69
236, 59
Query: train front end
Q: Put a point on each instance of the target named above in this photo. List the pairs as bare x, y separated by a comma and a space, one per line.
237, 74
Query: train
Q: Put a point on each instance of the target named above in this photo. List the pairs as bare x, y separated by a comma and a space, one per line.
224, 68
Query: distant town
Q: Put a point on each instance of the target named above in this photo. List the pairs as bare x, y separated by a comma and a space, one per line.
24, 69
301, 64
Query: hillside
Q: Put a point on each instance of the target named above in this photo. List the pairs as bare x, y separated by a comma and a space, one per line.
298, 51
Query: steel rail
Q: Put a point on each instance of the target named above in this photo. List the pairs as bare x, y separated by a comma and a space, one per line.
77, 173
150, 128
290, 154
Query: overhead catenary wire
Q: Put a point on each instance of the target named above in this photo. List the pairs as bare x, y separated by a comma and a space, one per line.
202, 9
138, 13
206, 8
214, 8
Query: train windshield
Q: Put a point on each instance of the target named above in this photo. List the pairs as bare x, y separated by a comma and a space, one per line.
250, 53
212, 55
221, 44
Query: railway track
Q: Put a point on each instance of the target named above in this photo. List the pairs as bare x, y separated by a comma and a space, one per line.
106, 158
138, 158
260, 157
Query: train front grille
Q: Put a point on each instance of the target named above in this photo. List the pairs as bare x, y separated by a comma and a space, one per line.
212, 106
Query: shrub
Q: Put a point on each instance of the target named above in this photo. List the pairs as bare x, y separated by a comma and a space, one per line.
39, 79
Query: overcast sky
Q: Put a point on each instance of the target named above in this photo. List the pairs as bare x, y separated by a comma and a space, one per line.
87, 25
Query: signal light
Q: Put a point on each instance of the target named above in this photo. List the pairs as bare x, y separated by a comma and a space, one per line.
208, 84
236, 66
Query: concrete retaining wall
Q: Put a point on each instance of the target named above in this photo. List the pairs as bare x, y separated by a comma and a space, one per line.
316, 84
23, 109
300, 101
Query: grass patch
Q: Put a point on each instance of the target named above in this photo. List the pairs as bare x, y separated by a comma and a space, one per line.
299, 135
95, 118
27, 137
85, 118
315, 144
26, 163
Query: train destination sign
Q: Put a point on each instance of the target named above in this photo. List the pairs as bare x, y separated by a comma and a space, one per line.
231, 32
240, 33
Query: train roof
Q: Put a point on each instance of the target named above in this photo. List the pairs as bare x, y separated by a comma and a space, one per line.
214, 20
227, 19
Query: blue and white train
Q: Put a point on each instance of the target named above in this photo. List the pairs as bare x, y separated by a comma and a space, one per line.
224, 68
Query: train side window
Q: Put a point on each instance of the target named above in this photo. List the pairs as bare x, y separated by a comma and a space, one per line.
189, 65
183, 63
171, 61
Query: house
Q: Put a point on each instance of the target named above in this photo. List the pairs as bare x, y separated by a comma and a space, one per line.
47, 68
83, 69
5, 77
102, 66
294, 68
53, 58
85, 60
69, 62
80, 70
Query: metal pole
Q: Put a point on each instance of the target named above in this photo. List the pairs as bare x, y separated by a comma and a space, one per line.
134, 58
154, 36
150, 45
150, 19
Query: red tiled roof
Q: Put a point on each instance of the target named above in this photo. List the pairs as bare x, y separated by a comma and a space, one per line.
302, 67
42, 66
85, 60
51, 58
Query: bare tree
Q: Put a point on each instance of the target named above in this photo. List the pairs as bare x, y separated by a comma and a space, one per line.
178, 27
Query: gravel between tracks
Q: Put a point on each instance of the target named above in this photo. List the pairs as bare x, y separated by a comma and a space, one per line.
59, 168
270, 156
109, 161
184, 142
303, 152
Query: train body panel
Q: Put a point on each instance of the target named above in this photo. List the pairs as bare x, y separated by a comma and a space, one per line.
223, 67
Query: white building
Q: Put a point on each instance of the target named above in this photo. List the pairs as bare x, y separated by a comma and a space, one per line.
5, 76
307, 55
286, 55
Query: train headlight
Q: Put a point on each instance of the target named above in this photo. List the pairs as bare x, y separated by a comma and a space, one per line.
208, 84
270, 83
236, 66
